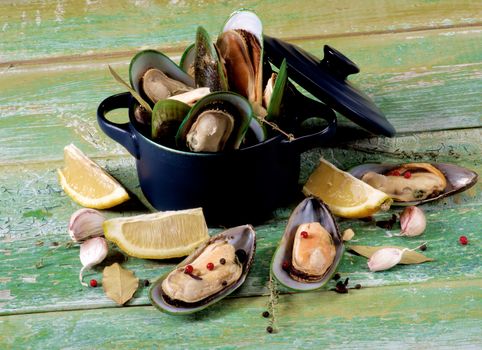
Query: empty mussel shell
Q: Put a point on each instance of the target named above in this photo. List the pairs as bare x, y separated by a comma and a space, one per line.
453, 179
314, 212
187, 59
167, 116
208, 69
274, 92
240, 241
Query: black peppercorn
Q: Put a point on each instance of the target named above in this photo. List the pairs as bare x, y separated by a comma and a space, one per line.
242, 255
269, 329
336, 277
146, 283
423, 247
222, 261
341, 288
265, 314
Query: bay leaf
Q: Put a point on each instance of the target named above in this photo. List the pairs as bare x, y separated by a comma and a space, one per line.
409, 257
138, 97
119, 284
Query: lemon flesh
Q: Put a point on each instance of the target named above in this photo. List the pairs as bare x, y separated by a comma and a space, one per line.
162, 235
87, 183
345, 195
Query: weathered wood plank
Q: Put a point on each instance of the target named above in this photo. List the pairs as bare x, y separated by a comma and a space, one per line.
435, 315
37, 29
58, 102
34, 213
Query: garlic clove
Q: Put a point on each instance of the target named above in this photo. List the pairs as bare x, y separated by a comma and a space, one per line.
412, 221
92, 252
385, 259
86, 223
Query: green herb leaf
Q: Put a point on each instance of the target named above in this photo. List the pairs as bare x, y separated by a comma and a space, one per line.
37, 214
138, 97
119, 284
409, 257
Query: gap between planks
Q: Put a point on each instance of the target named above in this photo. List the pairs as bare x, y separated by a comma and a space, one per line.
142, 304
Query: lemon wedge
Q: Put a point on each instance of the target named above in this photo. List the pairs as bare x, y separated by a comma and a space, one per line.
162, 235
87, 183
345, 195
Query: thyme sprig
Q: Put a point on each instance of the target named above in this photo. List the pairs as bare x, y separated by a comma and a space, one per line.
272, 303
289, 136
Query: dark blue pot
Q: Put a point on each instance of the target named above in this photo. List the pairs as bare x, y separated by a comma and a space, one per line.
241, 186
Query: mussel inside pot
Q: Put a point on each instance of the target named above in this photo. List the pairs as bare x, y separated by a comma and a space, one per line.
216, 123
310, 249
155, 77
209, 274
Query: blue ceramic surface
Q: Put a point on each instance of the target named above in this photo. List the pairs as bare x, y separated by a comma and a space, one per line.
326, 80
241, 186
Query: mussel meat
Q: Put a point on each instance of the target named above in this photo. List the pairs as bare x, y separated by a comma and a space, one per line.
209, 274
188, 286
414, 183
311, 247
155, 77
217, 122
313, 252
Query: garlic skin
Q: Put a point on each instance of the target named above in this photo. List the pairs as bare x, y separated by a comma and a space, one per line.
385, 259
85, 223
412, 222
92, 252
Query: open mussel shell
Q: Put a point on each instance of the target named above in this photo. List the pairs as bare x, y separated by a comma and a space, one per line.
246, 20
151, 59
240, 45
458, 178
256, 134
225, 103
309, 210
243, 238
187, 59
167, 116
208, 69
274, 94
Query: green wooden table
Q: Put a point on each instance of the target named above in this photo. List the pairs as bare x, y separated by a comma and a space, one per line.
420, 61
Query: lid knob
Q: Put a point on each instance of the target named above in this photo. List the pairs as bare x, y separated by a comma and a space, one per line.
337, 63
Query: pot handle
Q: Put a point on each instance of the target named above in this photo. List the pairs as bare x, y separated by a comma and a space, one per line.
122, 133
312, 108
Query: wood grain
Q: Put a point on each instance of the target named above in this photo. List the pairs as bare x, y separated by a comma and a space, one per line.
420, 62
57, 102
33, 231
40, 29
435, 315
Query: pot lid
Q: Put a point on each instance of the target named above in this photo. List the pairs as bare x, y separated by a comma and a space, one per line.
326, 80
